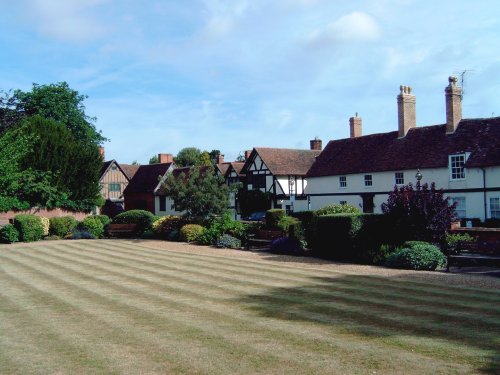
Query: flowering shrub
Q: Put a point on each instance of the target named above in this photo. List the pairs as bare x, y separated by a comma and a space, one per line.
337, 209
45, 225
168, 227
226, 240
191, 232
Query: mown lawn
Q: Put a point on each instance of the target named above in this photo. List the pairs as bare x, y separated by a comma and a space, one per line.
111, 307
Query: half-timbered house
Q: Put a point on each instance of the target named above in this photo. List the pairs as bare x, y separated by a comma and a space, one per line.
281, 172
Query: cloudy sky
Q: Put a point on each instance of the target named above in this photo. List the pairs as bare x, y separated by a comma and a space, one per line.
234, 74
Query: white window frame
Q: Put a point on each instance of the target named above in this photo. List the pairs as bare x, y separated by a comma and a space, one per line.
495, 207
399, 176
343, 182
454, 169
461, 209
368, 181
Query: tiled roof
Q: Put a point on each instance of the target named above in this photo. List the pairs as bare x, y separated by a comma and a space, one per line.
129, 170
422, 147
237, 166
105, 167
146, 178
285, 161
223, 167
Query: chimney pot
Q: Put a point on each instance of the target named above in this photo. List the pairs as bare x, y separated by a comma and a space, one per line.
316, 144
407, 117
165, 158
220, 159
355, 124
247, 154
453, 95
101, 151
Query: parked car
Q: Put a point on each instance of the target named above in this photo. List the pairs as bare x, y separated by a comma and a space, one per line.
255, 216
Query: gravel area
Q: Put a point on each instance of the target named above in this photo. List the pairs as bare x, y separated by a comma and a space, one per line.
484, 277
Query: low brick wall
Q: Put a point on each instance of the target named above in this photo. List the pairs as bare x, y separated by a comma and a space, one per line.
56, 212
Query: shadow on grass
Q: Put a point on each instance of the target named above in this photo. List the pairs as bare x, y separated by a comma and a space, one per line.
383, 307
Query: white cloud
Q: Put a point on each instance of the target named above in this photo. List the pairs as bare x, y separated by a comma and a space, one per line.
353, 27
68, 21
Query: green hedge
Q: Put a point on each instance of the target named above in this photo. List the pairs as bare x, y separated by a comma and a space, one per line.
143, 219
29, 226
62, 226
273, 216
350, 237
9, 234
308, 221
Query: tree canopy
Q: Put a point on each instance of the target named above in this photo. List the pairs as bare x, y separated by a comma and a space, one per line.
199, 192
54, 101
43, 164
154, 159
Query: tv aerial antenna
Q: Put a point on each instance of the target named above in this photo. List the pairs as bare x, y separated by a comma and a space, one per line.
462, 74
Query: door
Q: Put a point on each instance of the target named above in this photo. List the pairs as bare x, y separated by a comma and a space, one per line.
368, 203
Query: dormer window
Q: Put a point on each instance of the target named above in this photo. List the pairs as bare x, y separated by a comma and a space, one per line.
457, 166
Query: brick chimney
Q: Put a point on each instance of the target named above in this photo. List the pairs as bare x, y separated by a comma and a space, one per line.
247, 154
453, 94
165, 158
407, 116
316, 144
355, 123
219, 159
101, 151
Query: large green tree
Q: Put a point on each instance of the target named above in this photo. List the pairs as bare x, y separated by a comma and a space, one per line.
54, 101
199, 192
187, 157
48, 167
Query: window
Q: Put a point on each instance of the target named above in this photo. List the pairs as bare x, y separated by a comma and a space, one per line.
495, 208
368, 180
114, 187
457, 167
460, 208
343, 202
258, 181
163, 203
342, 181
400, 178
113, 168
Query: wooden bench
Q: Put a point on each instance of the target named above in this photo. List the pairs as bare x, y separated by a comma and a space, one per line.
121, 229
262, 239
484, 251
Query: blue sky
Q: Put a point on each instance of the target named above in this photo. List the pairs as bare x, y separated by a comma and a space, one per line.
234, 74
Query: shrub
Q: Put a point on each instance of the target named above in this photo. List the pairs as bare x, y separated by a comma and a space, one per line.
62, 226
45, 225
420, 213
104, 219
81, 234
29, 226
308, 224
191, 232
219, 226
285, 222
454, 241
273, 217
380, 254
417, 256
143, 219
334, 209
286, 245
228, 241
9, 234
168, 227
92, 225
350, 237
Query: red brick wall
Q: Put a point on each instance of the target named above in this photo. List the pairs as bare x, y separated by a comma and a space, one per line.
56, 212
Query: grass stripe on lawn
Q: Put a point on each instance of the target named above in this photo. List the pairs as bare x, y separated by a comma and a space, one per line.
183, 313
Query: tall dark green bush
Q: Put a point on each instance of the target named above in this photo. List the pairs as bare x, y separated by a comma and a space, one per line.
308, 221
29, 226
143, 219
9, 234
273, 217
62, 226
350, 237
